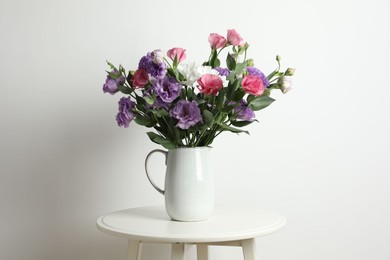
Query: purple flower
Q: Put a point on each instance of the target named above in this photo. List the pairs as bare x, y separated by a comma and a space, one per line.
111, 85
152, 66
187, 112
167, 89
222, 71
125, 114
244, 112
256, 72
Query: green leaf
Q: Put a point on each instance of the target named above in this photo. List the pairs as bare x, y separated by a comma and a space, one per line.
220, 118
200, 101
161, 140
221, 98
177, 136
175, 62
242, 123
238, 95
231, 76
143, 120
217, 63
114, 75
260, 102
250, 98
208, 118
232, 89
111, 66
140, 104
180, 76
229, 108
140, 100
190, 94
230, 62
232, 129
122, 70
214, 57
124, 89
240, 67
149, 100
160, 112
171, 72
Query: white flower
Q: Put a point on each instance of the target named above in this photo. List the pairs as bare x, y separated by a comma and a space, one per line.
193, 72
158, 56
225, 82
285, 84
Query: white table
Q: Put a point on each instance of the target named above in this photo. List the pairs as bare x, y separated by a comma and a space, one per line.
228, 226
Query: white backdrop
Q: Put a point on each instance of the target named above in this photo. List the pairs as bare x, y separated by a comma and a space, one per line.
320, 154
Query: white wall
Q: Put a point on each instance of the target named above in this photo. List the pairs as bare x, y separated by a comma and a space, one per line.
320, 154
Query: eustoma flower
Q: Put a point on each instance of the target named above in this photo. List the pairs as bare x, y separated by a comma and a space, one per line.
222, 71
256, 72
216, 41
152, 65
178, 53
244, 112
168, 89
140, 78
253, 85
210, 84
187, 113
125, 114
285, 84
234, 38
111, 85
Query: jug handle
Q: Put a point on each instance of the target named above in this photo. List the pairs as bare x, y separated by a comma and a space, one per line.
146, 168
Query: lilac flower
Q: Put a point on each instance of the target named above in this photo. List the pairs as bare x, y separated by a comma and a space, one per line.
111, 85
222, 71
125, 114
256, 72
167, 89
151, 64
244, 112
159, 103
187, 112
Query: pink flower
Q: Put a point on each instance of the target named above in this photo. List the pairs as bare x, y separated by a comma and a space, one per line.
234, 38
210, 84
140, 78
253, 85
180, 53
216, 41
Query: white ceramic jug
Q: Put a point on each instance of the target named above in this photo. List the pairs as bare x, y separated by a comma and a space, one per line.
189, 183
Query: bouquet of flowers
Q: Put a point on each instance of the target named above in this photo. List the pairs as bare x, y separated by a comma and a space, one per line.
189, 105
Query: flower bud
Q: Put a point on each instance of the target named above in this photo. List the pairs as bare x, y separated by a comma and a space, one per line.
289, 72
285, 84
250, 62
157, 56
278, 58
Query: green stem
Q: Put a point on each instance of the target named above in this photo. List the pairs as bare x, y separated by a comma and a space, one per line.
167, 61
169, 128
221, 50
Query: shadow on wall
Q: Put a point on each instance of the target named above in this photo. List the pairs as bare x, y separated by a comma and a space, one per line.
60, 177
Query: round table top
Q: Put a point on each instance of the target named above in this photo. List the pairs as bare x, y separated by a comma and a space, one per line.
229, 223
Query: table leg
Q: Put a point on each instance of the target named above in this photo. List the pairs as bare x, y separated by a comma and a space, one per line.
202, 252
178, 251
249, 249
134, 250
